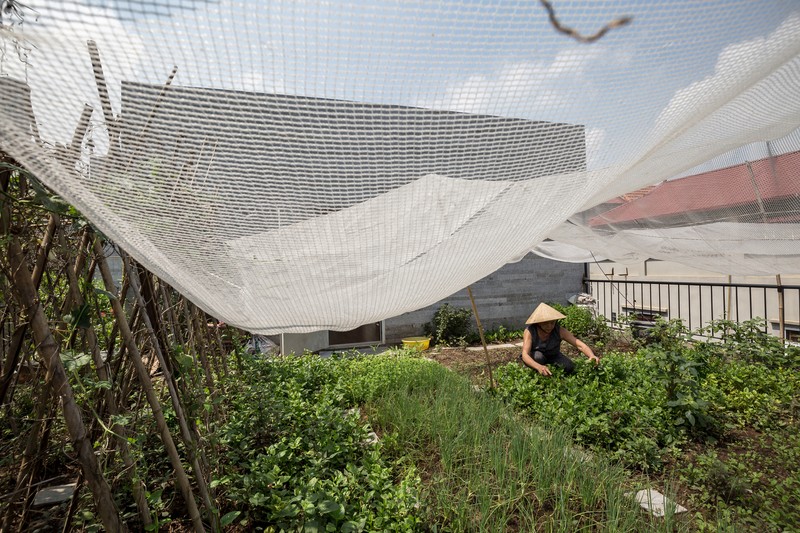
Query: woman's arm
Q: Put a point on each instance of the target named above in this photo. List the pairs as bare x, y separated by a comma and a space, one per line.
527, 357
579, 344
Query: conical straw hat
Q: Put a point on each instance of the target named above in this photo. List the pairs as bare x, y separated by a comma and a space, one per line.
544, 313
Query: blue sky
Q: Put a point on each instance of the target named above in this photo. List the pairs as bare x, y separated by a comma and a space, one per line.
494, 57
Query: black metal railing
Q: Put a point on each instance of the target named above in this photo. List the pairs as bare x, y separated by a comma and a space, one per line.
697, 304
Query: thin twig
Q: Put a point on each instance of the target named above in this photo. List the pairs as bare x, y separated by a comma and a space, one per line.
551, 13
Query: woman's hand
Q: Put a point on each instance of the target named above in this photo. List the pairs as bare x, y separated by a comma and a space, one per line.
580, 345
543, 370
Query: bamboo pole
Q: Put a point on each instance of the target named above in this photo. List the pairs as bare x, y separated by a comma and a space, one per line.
130, 376
483, 340
49, 352
781, 322
177, 335
210, 384
191, 443
209, 341
103, 374
26, 472
41, 452
182, 479
44, 248
73, 505
199, 323
191, 340
221, 347
12, 360
120, 358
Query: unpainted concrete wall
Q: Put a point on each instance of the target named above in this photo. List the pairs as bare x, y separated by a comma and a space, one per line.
507, 297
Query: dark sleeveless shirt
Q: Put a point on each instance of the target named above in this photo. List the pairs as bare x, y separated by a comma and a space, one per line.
550, 347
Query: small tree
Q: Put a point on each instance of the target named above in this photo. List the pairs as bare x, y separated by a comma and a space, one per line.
450, 326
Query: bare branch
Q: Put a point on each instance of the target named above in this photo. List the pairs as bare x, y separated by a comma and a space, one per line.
616, 23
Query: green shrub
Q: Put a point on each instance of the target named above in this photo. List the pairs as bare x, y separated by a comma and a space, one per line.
747, 341
296, 459
613, 408
748, 395
502, 334
582, 324
679, 368
450, 326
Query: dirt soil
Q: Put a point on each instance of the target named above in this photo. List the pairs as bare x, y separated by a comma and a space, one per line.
472, 362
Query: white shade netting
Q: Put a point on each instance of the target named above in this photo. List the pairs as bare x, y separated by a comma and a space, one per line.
296, 166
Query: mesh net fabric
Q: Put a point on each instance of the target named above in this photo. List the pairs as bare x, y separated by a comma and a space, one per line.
314, 165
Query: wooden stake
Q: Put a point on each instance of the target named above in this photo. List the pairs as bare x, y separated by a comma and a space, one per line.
483, 340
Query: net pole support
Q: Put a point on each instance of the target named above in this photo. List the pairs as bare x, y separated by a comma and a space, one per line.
483, 339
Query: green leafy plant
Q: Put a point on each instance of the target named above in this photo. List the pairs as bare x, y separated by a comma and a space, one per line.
679, 370
502, 334
747, 341
613, 408
450, 326
297, 459
581, 322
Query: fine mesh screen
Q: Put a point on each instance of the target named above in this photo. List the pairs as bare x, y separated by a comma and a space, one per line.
295, 166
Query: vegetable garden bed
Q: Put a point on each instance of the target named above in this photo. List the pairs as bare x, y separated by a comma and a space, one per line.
716, 421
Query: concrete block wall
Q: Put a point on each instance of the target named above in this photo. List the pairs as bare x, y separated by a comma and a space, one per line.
506, 297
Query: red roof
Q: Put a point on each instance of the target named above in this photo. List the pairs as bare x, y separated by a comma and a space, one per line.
635, 195
722, 190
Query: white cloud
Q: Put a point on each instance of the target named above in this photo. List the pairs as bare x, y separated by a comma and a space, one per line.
572, 62
531, 89
739, 66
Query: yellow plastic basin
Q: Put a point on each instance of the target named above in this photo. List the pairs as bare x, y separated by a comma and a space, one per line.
419, 343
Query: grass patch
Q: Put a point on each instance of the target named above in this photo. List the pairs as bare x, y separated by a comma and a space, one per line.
717, 418
488, 471
448, 458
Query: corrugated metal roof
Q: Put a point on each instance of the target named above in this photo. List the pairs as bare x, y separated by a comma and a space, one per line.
755, 191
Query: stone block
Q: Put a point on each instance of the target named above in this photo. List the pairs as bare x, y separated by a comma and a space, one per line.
656, 503
54, 495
